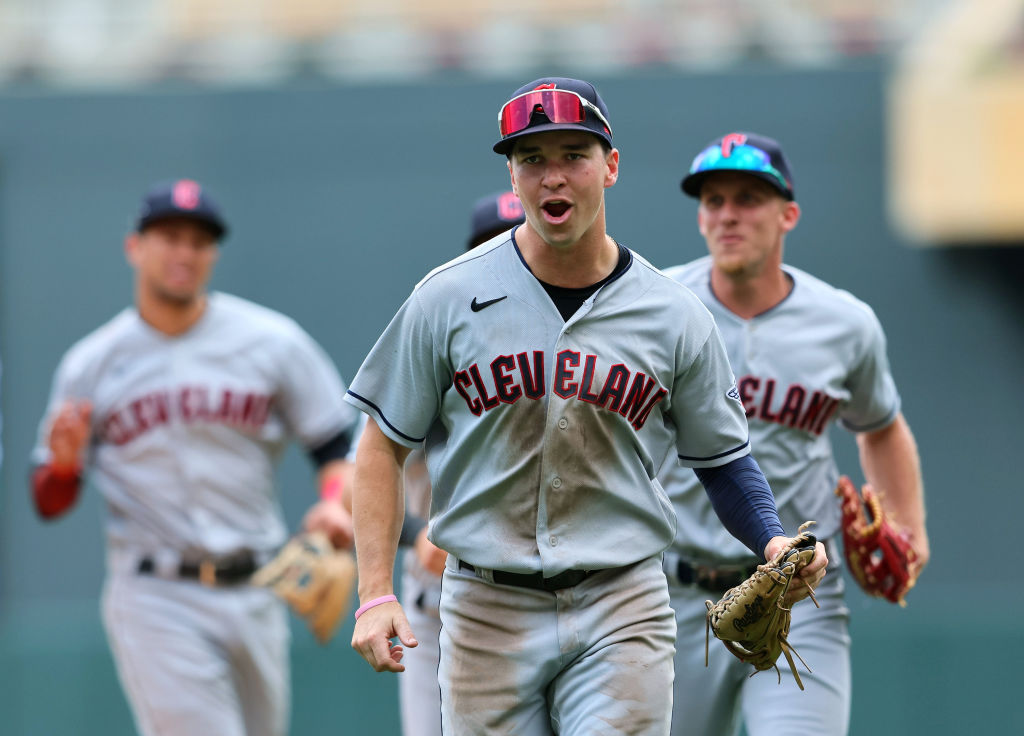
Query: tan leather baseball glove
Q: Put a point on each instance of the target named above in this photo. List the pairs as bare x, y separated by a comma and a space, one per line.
314, 578
751, 619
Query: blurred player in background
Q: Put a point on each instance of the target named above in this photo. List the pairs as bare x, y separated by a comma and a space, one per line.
805, 354
418, 690
180, 409
547, 372
493, 215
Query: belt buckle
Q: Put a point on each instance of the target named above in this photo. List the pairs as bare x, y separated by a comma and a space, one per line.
706, 577
208, 572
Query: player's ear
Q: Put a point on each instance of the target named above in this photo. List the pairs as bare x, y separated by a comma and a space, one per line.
611, 159
131, 248
512, 175
700, 222
790, 216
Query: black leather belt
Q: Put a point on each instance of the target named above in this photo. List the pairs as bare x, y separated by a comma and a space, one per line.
535, 580
229, 570
713, 579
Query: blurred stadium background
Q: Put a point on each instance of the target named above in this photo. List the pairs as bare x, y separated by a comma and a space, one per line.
347, 140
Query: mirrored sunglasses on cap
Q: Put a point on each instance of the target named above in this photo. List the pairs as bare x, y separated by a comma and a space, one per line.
559, 105
744, 157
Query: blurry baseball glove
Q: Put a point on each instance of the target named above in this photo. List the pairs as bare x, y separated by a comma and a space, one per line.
314, 578
751, 619
877, 551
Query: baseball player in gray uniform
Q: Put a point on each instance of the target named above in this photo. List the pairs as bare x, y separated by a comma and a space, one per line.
805, 354
548, 371
179, 409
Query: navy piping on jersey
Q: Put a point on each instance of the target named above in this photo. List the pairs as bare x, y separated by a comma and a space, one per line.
759, 314
384, 419
617, 274
715, 457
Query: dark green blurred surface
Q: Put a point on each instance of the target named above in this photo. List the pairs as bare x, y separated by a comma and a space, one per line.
341, 198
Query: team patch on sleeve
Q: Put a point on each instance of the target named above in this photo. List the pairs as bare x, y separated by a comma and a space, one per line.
733, 393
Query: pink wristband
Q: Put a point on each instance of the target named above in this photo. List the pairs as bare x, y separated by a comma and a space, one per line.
375, 602
331, 489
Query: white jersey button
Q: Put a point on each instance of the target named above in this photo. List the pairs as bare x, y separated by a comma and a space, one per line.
563, 423
556, 483
553, 540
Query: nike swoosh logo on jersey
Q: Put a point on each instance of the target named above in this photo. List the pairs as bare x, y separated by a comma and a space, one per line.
477, 306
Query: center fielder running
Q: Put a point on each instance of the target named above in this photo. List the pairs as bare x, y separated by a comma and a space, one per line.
548, 373
806, 354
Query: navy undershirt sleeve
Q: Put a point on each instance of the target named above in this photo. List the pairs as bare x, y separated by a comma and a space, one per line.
336, 448
743, 501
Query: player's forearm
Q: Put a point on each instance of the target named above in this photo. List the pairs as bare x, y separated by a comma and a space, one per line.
377, 511
891, 465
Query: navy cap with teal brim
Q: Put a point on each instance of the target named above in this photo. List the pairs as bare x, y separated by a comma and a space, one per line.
749, 153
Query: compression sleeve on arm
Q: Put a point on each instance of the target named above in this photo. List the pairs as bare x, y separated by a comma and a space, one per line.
53, 492
743, 501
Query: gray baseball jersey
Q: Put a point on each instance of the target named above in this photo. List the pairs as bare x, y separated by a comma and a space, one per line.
544, 436
187, 429
817, 357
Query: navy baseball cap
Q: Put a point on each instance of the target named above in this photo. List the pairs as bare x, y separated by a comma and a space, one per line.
552, 103
181, 198
750, 153
493, 214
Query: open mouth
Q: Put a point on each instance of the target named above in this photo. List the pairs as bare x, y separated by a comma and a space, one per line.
557, 208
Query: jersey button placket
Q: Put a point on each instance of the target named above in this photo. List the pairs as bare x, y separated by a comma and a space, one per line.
179, 371
556, 483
